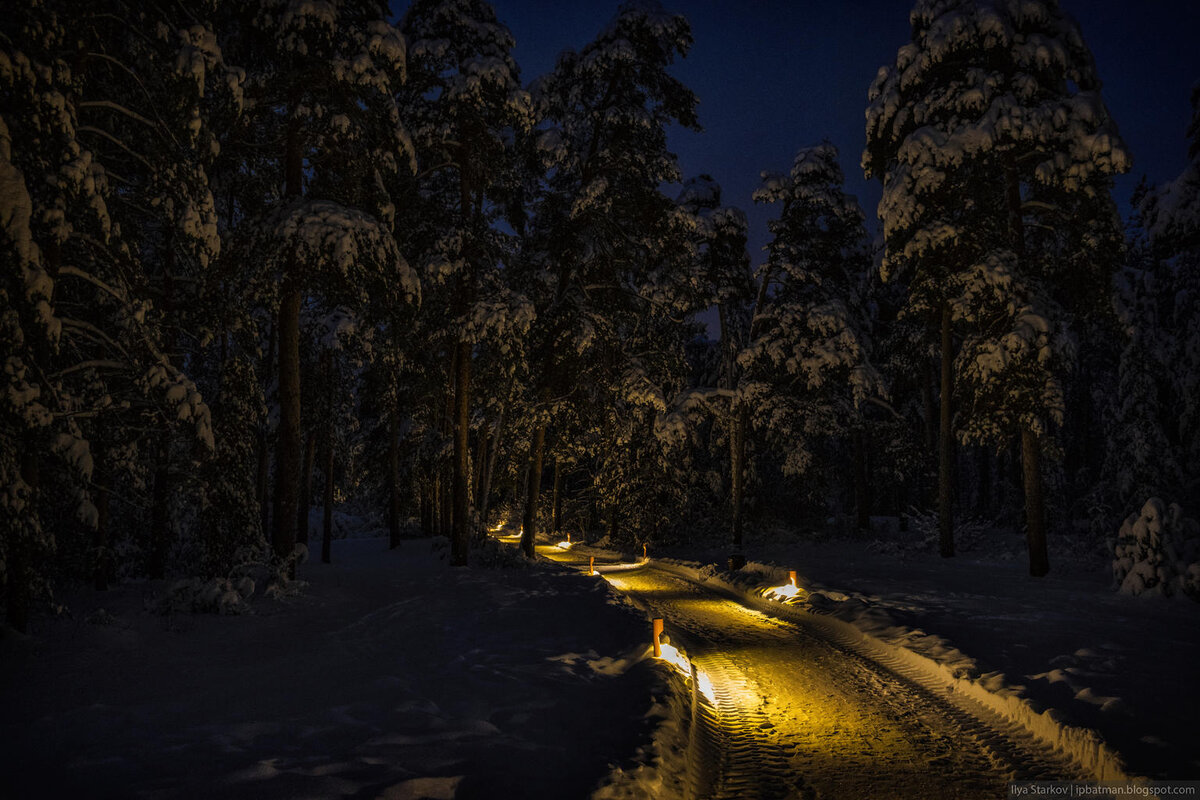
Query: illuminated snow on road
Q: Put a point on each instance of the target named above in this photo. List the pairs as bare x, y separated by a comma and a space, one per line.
786, 709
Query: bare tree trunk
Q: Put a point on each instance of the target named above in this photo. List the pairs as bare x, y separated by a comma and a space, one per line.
425, 491
327, 522
478, 467
1031, 446
287, 463
533, 488
737, 444
485, 486
946, 442
287, 466
101, 568
394, 479
460, 539
436, 504
557, 502
446, 471
305, 503
1035, 511
160, 518
262, 484
446, 513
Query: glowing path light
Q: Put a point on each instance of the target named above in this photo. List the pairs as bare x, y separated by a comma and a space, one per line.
788, 591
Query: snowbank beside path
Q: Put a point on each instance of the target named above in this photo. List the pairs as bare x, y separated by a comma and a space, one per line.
391, 675
1104, 679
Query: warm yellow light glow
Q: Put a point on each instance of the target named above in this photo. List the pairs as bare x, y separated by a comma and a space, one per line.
672, 656
785, 592
499, 527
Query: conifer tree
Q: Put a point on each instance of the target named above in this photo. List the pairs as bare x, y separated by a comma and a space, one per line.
996, 153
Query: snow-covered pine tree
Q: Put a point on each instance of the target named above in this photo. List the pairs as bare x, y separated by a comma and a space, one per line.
806, 364
1171, 217
466, 108
996, 153
1140, 462
724, 264
105, 197
607, 266
321, 83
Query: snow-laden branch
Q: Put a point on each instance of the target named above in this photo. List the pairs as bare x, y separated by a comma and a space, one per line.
75, 272
106, 135
96, 333
111, 106
96, 363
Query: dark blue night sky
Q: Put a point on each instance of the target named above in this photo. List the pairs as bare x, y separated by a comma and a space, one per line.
773, 76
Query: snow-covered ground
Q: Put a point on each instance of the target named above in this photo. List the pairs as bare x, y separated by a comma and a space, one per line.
389, 675
1068, 643
392, 675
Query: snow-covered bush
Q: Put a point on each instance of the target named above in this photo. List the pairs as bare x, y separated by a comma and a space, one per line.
216, 595
969, 534
1158, 552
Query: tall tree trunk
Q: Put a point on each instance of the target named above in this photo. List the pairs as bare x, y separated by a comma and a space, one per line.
425, 492
1035, 512
557, 502
394, 479
478, 468
101, 567
302, 508
287, 465
946, 441
436, 495
160, 518
861, 503
327, 522
446, 470
533, 488
287, 462
485, 486
460, 539
737, 444
446, 511
1031, 446
262, 482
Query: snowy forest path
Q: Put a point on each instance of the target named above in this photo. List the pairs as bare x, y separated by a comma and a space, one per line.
789, 708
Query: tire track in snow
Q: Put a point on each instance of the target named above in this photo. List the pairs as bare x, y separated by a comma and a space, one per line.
845, 718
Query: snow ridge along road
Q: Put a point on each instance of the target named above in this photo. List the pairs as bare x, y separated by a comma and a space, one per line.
800, 708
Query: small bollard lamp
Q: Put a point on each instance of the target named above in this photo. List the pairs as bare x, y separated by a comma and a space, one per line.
656, 628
